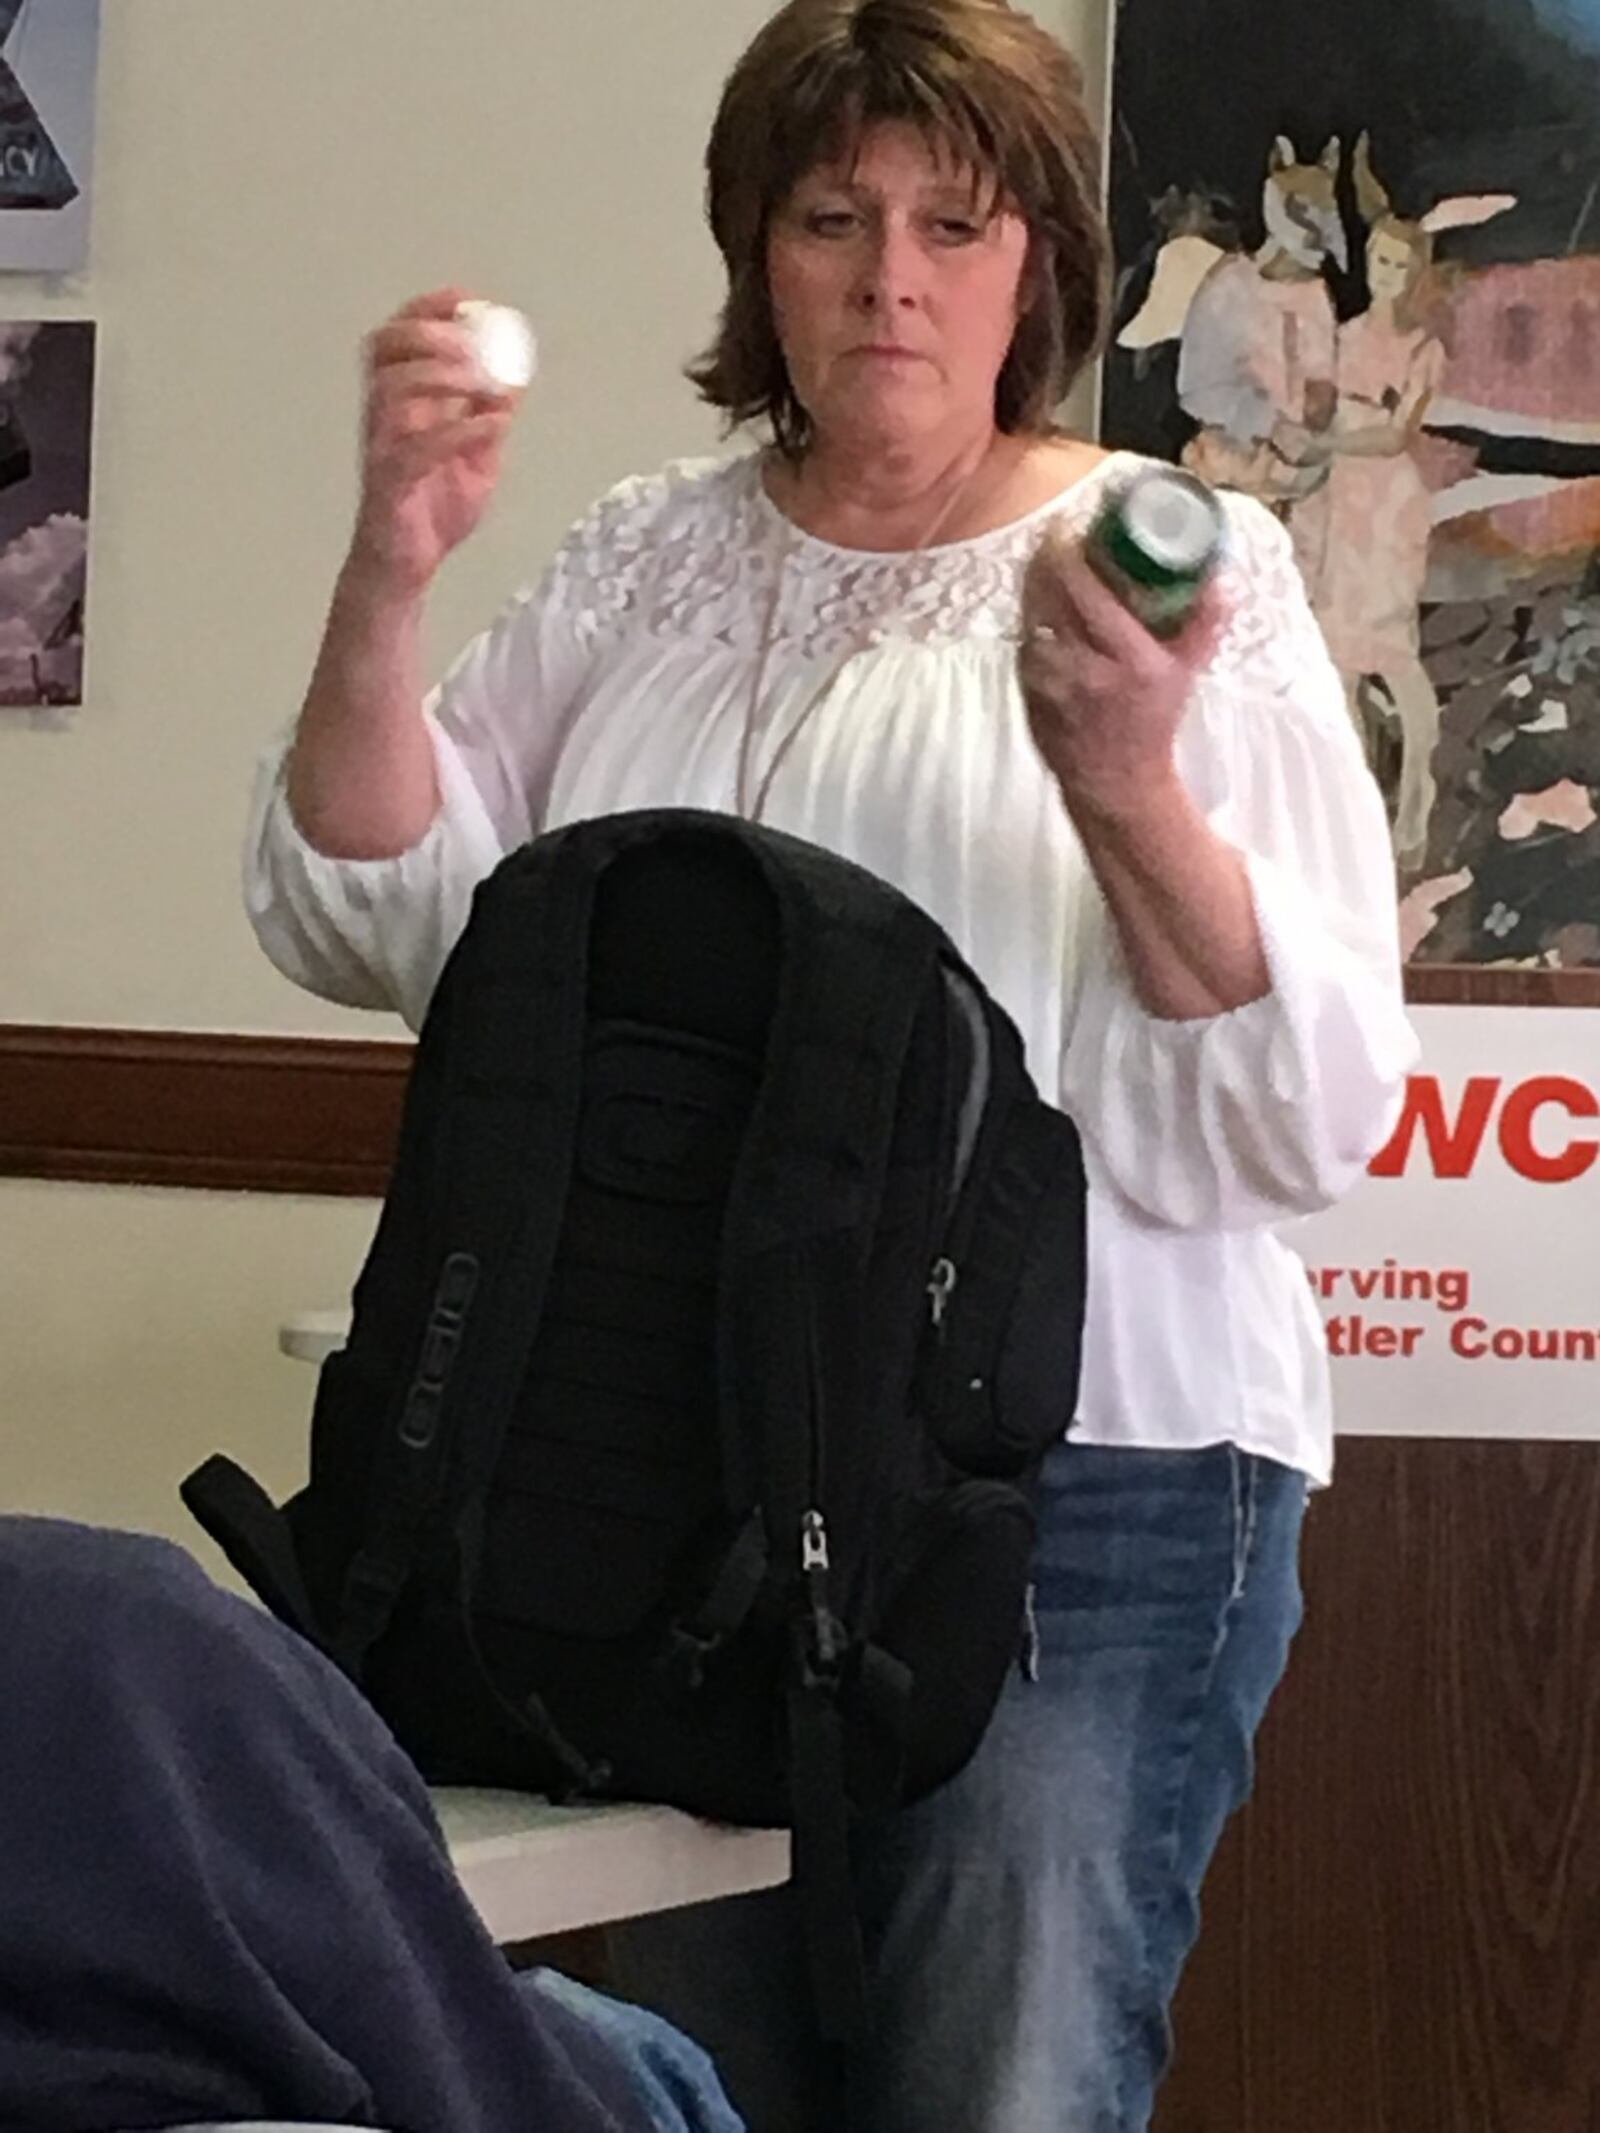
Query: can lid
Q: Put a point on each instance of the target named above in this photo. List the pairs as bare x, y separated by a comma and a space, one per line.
1173, 519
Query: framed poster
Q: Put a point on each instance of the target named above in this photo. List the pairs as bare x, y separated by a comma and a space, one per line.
46, 422
1359, 278
49, 52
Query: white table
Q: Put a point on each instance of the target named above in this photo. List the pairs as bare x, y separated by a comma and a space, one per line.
533, 1869
314, 1335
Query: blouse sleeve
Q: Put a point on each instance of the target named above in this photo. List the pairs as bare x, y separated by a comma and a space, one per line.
1271, 1111
376, 932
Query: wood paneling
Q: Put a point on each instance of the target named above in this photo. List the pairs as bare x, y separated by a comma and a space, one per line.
1403, 1930
319, 1115
1494, 985
166, 1107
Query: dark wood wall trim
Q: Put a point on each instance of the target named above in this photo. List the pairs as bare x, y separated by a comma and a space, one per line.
319, 1114
1497, 985
216, 1112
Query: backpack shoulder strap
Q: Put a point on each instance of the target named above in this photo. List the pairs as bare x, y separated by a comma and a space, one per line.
858, 962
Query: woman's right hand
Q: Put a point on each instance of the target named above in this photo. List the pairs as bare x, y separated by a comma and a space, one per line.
434, 438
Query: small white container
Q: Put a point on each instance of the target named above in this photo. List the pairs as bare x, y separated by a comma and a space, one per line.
505, 344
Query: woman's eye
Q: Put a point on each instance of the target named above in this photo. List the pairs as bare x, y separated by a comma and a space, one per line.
830, 222
957, 229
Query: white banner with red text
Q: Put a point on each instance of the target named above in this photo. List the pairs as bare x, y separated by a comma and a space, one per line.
1460, 1283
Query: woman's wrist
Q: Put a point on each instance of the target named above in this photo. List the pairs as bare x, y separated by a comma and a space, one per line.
371, 582
1144, 805
1179, 895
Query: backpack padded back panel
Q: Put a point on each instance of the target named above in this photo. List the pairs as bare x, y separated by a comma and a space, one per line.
609, 1478
608, 1490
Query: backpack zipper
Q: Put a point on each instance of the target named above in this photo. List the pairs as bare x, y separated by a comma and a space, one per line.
826, 1646
814, 1558
975, 1101
942, 1285
945, 1275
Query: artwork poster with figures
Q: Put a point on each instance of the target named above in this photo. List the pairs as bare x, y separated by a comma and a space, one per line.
49, 52
1358, 277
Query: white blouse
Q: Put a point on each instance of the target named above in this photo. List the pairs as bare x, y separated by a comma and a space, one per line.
686, 622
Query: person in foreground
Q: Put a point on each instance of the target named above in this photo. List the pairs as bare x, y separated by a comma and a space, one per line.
224, 1894
875, 630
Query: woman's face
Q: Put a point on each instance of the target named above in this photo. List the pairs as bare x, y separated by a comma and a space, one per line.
1391, 262
895, 294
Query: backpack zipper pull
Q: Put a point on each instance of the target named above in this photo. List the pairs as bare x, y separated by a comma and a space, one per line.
826, 1640
942, 1283
814, 1558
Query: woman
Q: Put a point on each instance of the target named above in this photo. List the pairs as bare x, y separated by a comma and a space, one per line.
1166, 860
224, 1895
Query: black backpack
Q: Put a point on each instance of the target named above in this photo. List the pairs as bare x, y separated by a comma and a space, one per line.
727, 1296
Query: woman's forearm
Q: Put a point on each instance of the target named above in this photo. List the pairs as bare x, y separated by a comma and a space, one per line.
1180, 897
362, 782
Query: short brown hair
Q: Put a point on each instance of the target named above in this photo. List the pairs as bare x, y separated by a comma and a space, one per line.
981, 81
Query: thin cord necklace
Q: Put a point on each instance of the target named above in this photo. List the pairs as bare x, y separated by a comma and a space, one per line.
750, 792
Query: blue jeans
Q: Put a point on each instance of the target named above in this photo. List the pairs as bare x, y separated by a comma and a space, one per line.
1026, 1925
671, 2076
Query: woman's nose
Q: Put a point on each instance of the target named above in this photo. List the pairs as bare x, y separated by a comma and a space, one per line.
888, 273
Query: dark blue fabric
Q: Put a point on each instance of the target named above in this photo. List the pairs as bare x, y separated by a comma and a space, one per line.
223, 1892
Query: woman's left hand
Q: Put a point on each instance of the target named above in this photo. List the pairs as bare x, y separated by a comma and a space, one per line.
1105, 697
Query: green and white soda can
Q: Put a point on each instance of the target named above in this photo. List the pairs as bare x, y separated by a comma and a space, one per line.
1155, 541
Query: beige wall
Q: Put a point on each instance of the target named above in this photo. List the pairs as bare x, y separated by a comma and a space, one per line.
140, 1335
270, 180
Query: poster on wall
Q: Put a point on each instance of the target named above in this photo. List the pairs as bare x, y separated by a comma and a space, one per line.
49, 52
1358, 277
46, 419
